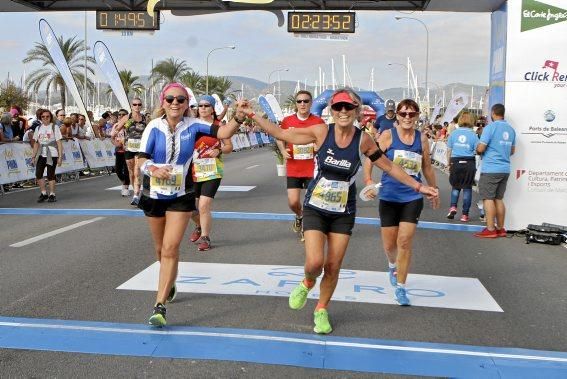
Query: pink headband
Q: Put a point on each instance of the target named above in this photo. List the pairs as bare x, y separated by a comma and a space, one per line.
173, 85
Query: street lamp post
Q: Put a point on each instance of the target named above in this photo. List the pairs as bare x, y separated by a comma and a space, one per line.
208, 55
273, 72
426, 52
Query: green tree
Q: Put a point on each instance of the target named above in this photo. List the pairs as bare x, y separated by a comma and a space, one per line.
195, 81
130, 83
73, 51
290, 102
219, 85
169, 70
10, 94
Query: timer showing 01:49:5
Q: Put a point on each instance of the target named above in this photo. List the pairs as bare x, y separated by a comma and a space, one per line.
127, 20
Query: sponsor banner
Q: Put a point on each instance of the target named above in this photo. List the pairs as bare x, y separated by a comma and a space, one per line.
94, 152
265, 138
51, 43
244, 142
235, 142
440, 153
436, 110
499, 24
107, 66
16, 161
265, 105
109, 149
253, 139
275, 106
457, 103
353, 286
536, 94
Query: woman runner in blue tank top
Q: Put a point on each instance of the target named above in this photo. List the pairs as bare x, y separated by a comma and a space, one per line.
400, 206
330, 201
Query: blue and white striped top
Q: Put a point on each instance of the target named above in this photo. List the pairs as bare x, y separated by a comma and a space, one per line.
160, 146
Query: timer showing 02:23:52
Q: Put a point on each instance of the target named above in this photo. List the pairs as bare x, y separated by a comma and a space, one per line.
126, 20
321, 22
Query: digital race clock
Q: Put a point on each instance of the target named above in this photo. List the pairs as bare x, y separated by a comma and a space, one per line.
126, 20
320, 22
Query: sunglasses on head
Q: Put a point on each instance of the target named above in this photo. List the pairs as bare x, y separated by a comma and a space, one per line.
406, 114
304, 101
337, 107
204, 105
180, 99
136, 104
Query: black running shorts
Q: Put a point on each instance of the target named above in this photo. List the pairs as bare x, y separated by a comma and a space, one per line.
392, 213
208, 188
327, 223
157, 208
300, 183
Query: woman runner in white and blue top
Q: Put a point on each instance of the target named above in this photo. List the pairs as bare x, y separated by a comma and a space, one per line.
166, 150
330, 202
400, 206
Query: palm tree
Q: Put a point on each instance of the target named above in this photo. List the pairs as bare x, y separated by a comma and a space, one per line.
219, 85
169, 70
290, 102
195, 81
73, 51
130, 83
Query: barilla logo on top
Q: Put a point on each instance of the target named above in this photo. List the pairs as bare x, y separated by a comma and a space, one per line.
343, 163
537, 15
546, 75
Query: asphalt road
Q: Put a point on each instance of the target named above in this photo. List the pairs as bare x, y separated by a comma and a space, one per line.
74, 276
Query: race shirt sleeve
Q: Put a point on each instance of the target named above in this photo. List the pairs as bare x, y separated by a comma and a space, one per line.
58, 135
205, 128
487, 133
147, 144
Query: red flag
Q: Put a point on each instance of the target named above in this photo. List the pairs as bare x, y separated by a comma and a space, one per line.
551, 64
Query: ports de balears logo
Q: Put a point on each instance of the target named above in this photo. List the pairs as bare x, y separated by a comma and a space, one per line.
537, 15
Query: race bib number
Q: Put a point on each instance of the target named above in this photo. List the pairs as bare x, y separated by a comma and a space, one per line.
205, 167
167, 187
303, 152
133, 145
409, 161
330, 195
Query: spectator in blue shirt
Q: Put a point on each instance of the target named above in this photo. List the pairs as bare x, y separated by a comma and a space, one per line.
386, 121
497, 144
461, 151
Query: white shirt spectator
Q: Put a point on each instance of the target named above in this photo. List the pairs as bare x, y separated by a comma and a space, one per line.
45, 134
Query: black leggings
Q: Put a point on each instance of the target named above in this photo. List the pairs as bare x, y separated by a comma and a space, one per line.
122, 169
40, 167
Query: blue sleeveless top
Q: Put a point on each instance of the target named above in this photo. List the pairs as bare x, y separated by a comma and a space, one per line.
409, 158
333, 188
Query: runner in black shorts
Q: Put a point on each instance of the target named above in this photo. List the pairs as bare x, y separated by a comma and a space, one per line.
330, 200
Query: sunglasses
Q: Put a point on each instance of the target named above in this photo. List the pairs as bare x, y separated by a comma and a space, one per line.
137, 104
204, 105
122, 114
337, 107
304, 101
45, 116
180, 99
406, 114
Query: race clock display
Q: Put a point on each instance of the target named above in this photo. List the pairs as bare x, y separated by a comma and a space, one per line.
321, 22
126, 20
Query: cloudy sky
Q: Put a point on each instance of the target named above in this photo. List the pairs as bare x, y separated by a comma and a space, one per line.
459, 46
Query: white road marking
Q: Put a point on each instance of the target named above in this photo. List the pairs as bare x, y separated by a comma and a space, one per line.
221, 188
55, 232
251, 167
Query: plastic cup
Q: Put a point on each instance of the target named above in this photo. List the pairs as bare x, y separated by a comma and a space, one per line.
368, 190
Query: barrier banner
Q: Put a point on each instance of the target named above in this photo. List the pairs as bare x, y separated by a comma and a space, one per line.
109, 152
94, 152
265, 138
440, 153
107, 66
235, 142
535, 99
72, 157
253, 139
243, 140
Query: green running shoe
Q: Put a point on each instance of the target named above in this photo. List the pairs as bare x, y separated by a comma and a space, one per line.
158, 318
322, 324
298, 296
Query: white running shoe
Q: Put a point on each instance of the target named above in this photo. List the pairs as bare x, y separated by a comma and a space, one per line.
125, 192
